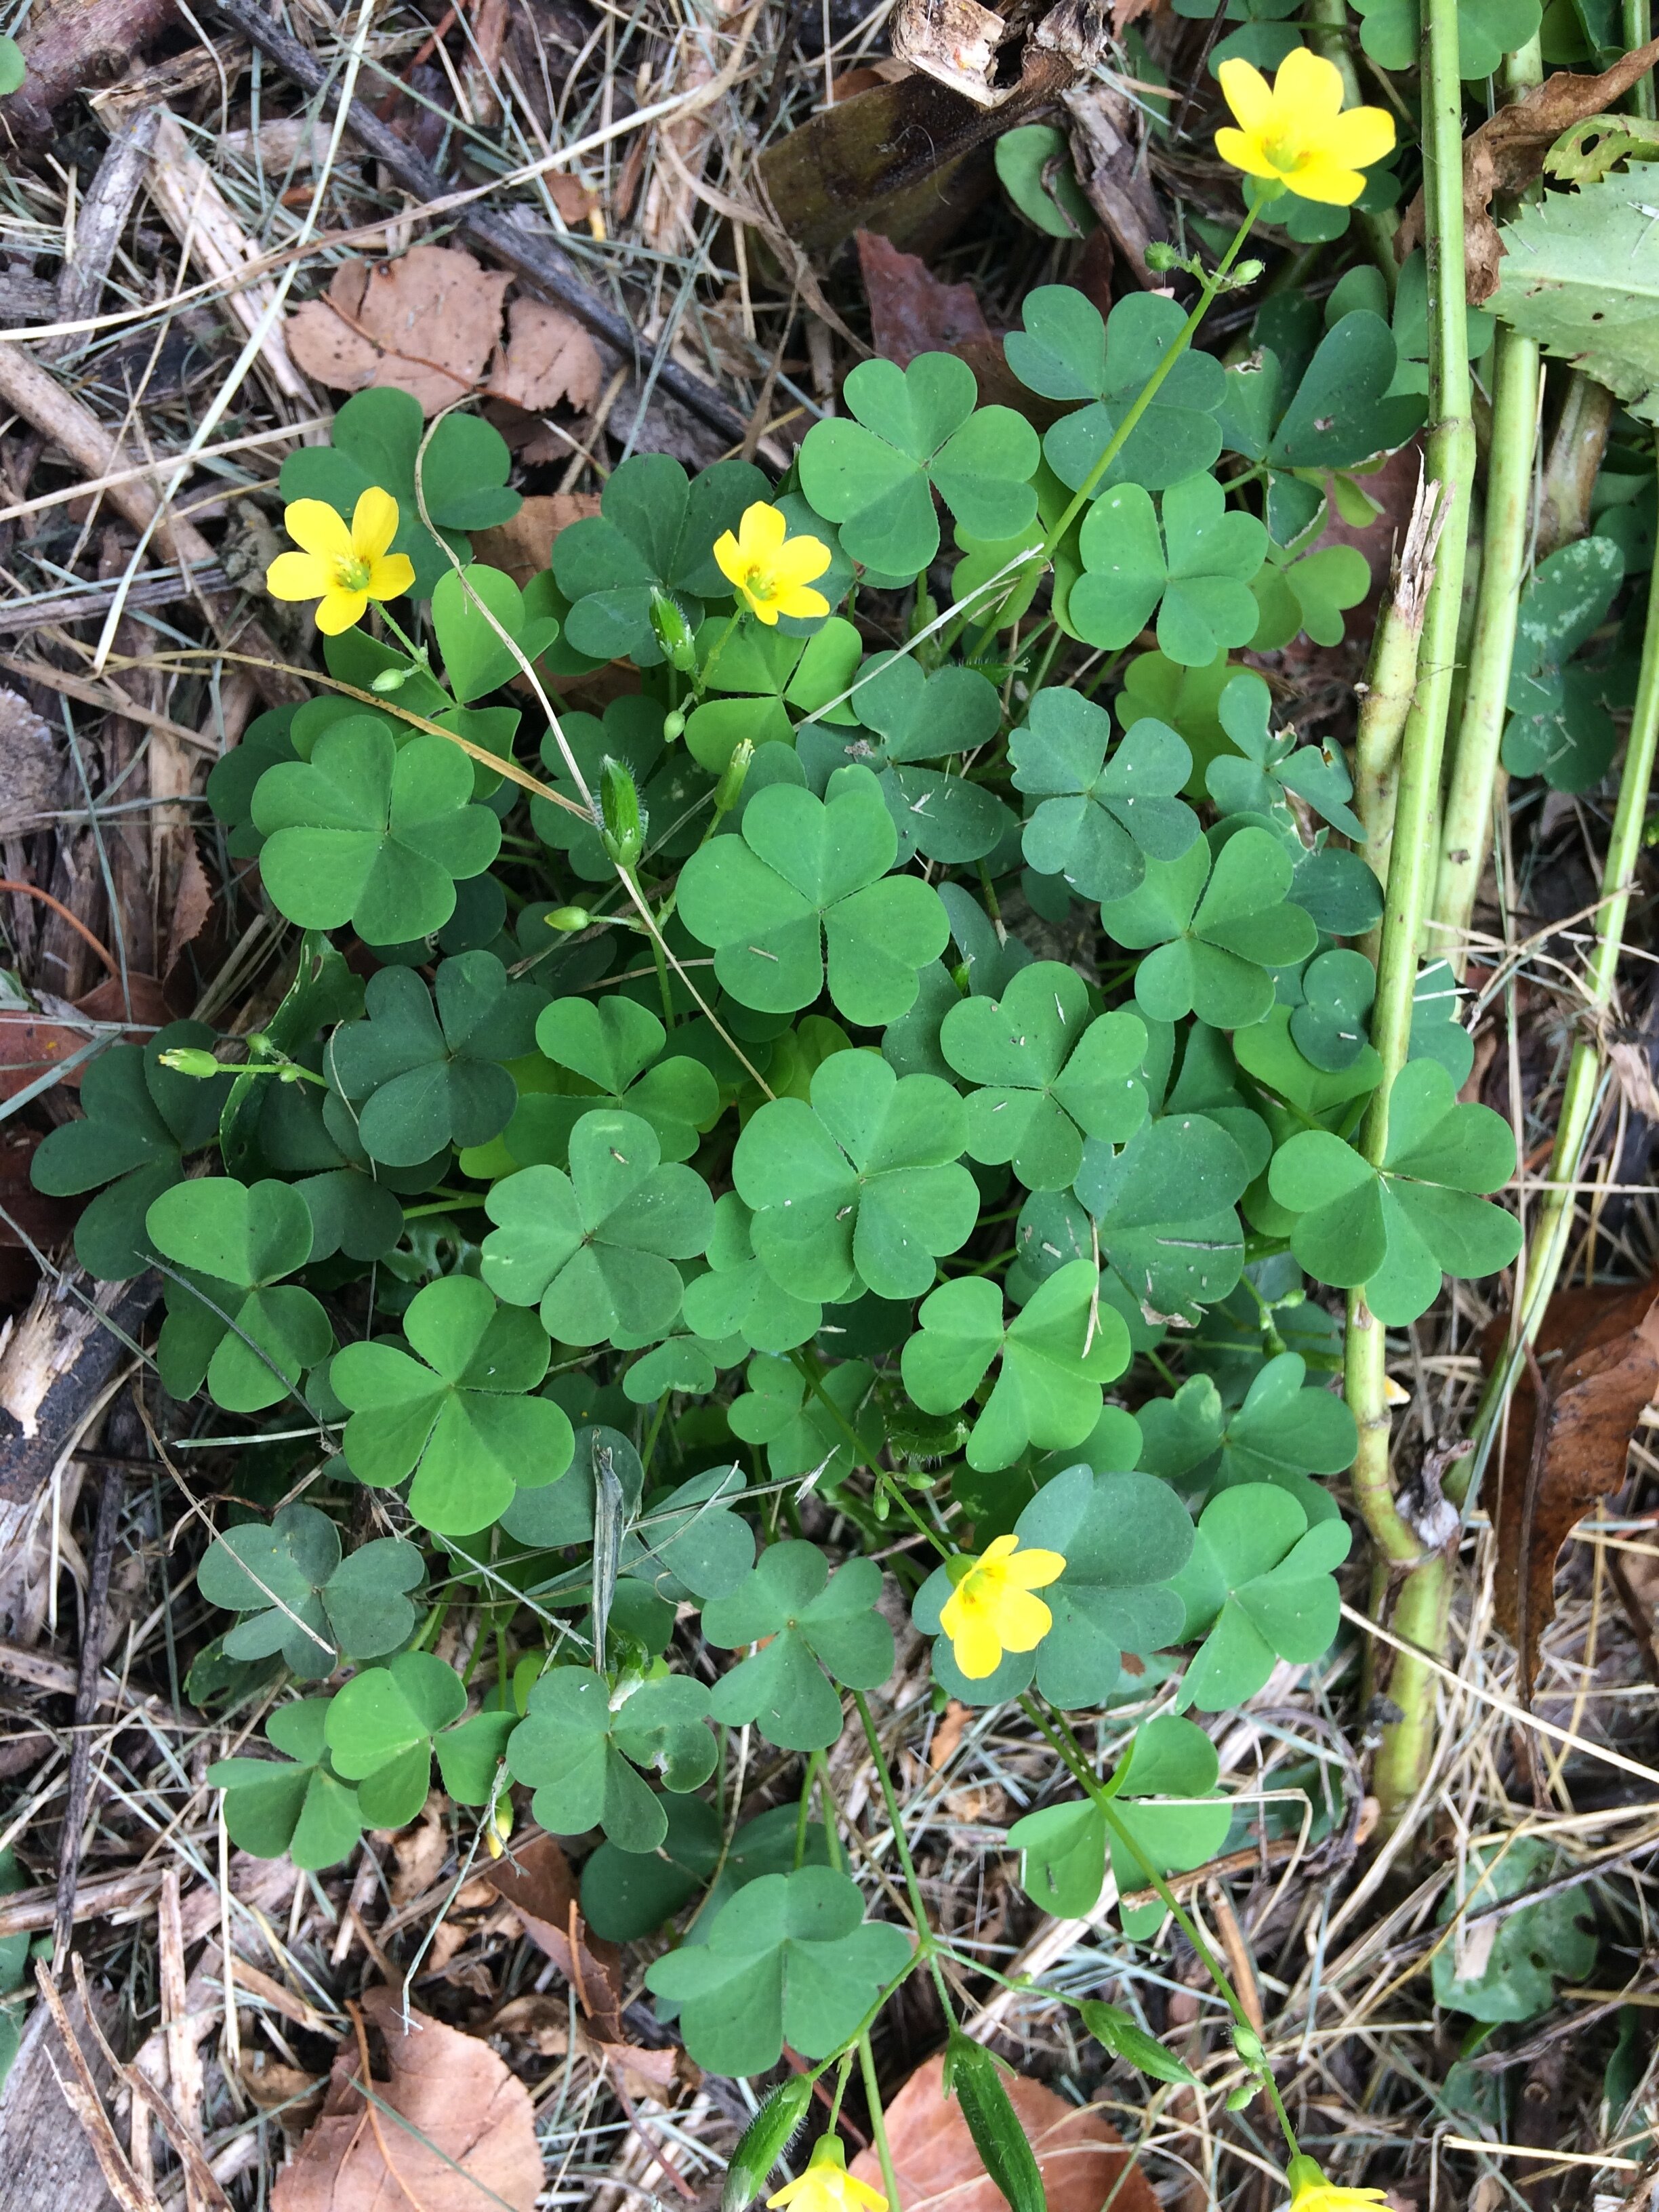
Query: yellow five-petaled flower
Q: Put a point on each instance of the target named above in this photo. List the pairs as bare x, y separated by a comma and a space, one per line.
1294, 132
342, 566
1311, 2192
991, 1610
826, 2186
770, 571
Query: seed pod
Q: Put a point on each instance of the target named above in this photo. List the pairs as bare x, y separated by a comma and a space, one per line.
764, 2142
729, 789
1122, 2036
624, 818
673, 632
971, 2072
192, 1060
673, 726
568, 918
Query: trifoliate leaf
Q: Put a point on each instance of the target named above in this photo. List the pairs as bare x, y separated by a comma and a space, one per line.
298, 1598
1259, 1587
379, 1731
1398, 1230
596, 1247
1067, 352
580, 1753
1391, 32
628, 1894
460, 1417
232, 1321
655, 532
1049, 1076
614, 1045
1199, 584
1098, 822
799, 894
368, 834
296, 1807
1283, 1433
1329, 1025
1559, 726
1341, 413
810, 1622
916, 431
791, 1958
862, 1186
138, 1121
631, 733
1163, 1210
738, 1297
688, 1542
1273, 764
1055, 1356
475, 658
801, 1433
1217, 930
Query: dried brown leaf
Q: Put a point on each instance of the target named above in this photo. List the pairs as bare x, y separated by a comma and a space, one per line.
911, 312
1508, 151
426, 323
192, 904
418, 1853
457, 2127
1598, 1353
575, 201
539, 1883
548, 357
1079, 2153
523, 546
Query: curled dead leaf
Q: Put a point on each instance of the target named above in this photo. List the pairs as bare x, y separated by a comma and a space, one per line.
911, 312
1508, 151
1083, 2159
1598, 1355
450, 2127
548, 357
425, 324
538, 1881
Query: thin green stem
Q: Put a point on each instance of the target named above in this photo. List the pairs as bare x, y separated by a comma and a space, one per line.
862, 1456
900, 1844
878, 2121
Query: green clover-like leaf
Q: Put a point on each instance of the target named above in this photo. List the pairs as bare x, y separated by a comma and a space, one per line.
1211, 932
1533, 1945
1558, 726
1050, 1076
1200, 586
376, 438
655, 532
1056, 1355
738, 1297
812, 1623
1342, 412
1259, 1587
379, 1733
300, 1598
1098, 821
1329, 1024
800, 895
367, 834
421, 1076
1274, 763
1391, 32
628, 1894
791, 1958
1162, 1211
1397, 1229
581, 1754
138, 1121
689, 1542
296, 1807
596, 1247
475, 657
613, 1046
1312, 593
802, 1434
1067, 352
916, 431
1284, 1432
231, 1319
460, 1417
861, 1186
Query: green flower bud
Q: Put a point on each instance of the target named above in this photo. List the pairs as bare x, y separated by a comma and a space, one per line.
1248, 2043
673, 726
190, 1059
624, 818
673, 632
391, 679
568, 918
1243, 2096
729, 789
764, 2142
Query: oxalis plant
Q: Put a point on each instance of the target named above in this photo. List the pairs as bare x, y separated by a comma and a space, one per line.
689, 1141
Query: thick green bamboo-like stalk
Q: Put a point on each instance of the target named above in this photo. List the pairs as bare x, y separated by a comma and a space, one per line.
1477, 782
1451, 462
1547, 1246
1391, 687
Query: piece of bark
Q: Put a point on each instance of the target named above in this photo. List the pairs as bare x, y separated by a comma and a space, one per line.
36, 393
99, 221
1112, 171
75, 46
536, 260
31, 767
93, 1610
45, 2159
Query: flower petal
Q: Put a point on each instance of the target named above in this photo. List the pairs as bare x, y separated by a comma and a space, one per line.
761, 531
390, 576
1246, 91
977, 1648
338, 610
1360, 136
800, 561
1324, 181
1022, 1621
1001, 1547
728, 559
1308, 89
374, 523
1241, 151
315, 527
1036, 1568
298, 576
800, 601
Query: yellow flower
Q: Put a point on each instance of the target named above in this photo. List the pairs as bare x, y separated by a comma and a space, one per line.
341, 568
826, 2186
770, 570
991, 1610
1295, 133
1311, 2192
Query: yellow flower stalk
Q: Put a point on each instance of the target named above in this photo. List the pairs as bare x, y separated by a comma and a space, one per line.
342, 566
1294, 132
1311, 2192
770, 571
826, 2186
991, 1610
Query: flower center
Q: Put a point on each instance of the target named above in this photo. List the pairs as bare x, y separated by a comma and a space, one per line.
1285, 153
759, 582
351, 573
